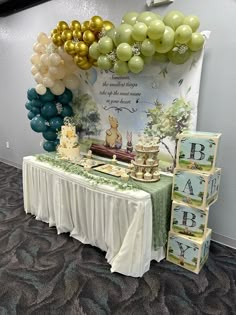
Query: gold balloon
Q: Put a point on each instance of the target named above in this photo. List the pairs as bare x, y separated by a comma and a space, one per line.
62, 25
80, 61
84, 26
54, 31
69, 47
89, 37
91, 60
57, 40
75, 25
77, 34
96, 23
107, 25
86, 66
81, 49
66, 35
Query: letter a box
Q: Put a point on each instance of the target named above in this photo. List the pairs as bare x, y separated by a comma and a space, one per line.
187, 252
197, 151
196, 189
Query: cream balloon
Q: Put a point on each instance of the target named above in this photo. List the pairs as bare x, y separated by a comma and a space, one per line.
48, 82
58, 87
54, 59
57, 72
42, 68
44, 59
40, 89
43, 38
40, 49
35, 59
71, 81
38, 77
34, 70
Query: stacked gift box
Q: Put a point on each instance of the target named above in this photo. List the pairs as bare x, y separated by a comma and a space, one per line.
195, 188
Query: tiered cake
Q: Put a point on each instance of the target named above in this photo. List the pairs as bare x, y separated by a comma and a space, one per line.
69, 143
145, 167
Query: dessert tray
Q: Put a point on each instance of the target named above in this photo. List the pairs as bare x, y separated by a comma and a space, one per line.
90, 162
110, 169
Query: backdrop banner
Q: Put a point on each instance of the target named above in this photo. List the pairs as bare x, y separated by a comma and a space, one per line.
162, 101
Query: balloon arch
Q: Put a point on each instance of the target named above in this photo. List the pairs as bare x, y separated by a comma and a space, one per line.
138, 40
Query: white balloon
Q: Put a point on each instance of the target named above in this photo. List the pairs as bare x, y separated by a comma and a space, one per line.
71, 81
34, 70
40, 89
58, 88
43, 38
35, 59
54, 59
57, 72
38, 77
48, 82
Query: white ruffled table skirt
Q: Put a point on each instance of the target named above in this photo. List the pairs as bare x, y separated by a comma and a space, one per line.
117, 222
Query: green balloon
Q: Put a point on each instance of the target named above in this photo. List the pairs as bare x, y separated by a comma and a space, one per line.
28, 105
139, 31
49, 146
123, 34
196, 42
104, 62
136, 64
146, 17
30, 115
105, 45
177, 58
124, 52
93, 51
160, 57
147, 48
165, 43
173, 19
49, 110
50, 135
130, 18
38, 124
121, 67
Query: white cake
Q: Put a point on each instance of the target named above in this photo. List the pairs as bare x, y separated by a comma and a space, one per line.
69, 143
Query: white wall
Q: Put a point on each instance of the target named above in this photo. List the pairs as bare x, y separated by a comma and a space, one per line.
18, 32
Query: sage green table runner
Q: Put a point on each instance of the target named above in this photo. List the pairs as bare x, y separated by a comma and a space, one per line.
160, 193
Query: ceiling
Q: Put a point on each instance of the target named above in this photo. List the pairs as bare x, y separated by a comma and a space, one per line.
8, 7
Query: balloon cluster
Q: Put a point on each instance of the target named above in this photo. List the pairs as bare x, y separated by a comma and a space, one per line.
52, 68
144, 36
76, 38
47, 112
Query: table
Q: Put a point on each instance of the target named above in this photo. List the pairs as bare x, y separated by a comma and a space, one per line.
118, 222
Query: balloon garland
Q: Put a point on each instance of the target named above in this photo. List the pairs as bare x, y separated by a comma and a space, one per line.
139, 39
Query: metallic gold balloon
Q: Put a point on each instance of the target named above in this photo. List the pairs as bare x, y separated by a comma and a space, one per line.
84, 26
86, 66
66, 35
81, 49
69, 47
96, 23
62, 25
77, 34
57, 40
54, 31
78, 60
75, 25
88, 37
91, 60
107, 25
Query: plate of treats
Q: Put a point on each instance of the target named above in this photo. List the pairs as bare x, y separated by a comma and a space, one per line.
92, 163
110, 169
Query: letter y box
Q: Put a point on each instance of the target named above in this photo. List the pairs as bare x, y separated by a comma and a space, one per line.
197, 151
196, 189
188, 253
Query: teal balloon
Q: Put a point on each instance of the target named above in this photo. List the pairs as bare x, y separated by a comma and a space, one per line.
66, 111
56, 123
32, 94
35, 110
36, 103
28, 105
50, 135
47, 97
31, 115
49, 110
49, 146
65, 97
38, 124
56, 142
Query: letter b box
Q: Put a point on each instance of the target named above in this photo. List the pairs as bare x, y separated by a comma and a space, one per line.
197, 151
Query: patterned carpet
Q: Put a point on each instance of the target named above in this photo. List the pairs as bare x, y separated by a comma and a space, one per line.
45, 273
